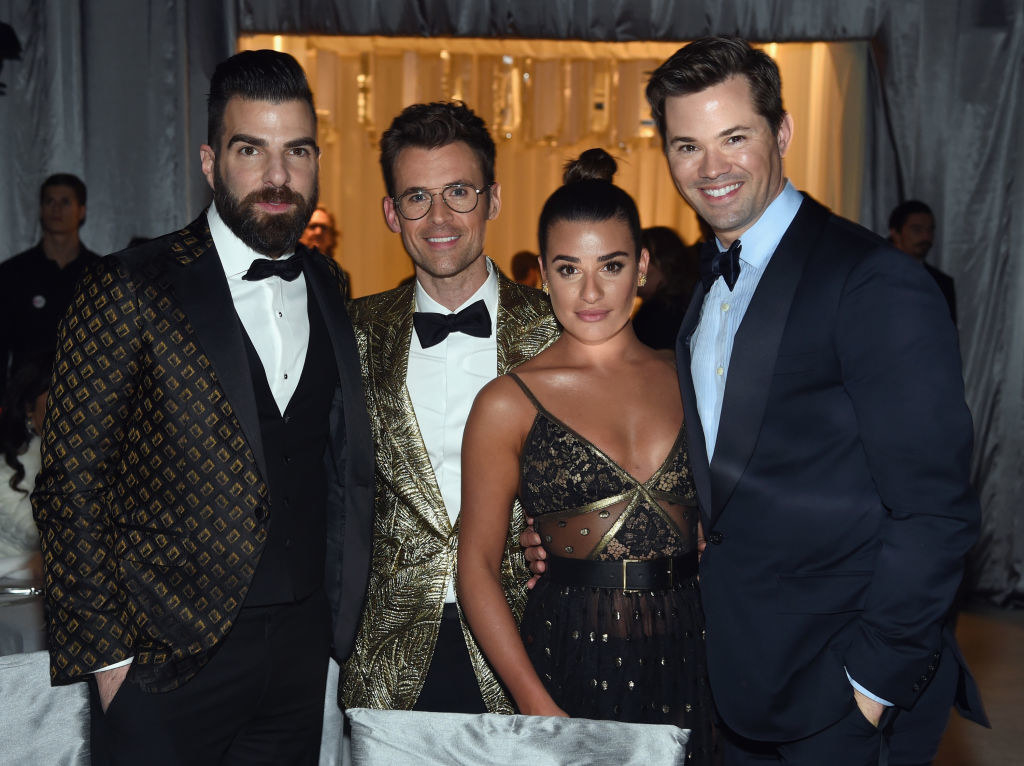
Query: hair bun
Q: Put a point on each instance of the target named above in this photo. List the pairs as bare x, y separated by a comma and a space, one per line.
592, 165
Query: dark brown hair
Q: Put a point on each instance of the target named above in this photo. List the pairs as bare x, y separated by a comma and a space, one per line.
263, 75
710, 61
589, 195
431, 126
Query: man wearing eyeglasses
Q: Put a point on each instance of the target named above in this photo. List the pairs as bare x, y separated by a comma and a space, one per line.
426, 349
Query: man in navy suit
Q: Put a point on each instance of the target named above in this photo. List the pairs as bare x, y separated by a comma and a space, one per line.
830, 444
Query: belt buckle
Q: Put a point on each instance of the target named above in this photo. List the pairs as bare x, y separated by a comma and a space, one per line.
625, 568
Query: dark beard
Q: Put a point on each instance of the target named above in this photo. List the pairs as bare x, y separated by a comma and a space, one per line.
273, 234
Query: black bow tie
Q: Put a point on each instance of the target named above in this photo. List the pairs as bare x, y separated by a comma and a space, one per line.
287, 269
715, 264
432, 328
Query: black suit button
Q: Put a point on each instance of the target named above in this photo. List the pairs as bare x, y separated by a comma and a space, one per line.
716, 538
287, 418
287, 460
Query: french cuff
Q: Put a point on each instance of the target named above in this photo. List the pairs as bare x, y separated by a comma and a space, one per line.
122, 663
865, 692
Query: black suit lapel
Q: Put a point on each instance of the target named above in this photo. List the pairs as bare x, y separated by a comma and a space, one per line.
201, 290
755, 349
326, 291
698, 450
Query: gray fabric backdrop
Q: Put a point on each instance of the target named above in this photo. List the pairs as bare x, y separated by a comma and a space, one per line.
114, 90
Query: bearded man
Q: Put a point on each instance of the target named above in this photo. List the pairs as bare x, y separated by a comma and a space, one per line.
206, 451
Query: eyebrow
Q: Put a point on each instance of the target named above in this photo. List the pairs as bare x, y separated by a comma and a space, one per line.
244, 138
442, 186
721, 134
600, 258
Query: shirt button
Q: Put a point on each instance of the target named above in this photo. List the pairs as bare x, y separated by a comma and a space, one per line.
720, 371
286, 376
280, 314
725, 307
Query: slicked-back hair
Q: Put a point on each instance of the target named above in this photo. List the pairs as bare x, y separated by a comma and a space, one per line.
589, 196
431, 126
899, 215
710, 61
263, 75
70, 180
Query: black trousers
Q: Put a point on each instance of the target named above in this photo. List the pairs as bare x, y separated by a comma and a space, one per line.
259, 700
451, 685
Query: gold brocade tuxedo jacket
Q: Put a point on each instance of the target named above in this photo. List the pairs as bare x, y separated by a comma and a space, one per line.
414, 543
152, 504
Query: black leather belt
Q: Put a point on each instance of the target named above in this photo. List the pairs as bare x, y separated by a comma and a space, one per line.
627, 574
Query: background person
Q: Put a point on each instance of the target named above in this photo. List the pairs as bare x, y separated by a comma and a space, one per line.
36, 286
912, 230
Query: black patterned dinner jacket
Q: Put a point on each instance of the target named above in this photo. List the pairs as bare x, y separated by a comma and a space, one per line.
151, 503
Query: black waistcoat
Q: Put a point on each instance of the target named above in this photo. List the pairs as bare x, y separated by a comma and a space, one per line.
291, 566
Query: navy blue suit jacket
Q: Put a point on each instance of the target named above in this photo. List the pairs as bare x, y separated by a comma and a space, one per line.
837, 505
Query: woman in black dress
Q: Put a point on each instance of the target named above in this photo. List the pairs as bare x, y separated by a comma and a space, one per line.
589, 436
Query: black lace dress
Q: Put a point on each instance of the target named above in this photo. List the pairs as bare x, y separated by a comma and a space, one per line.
606, 653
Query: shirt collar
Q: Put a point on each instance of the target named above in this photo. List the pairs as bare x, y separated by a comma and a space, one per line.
760, 240
487, 292
235, 256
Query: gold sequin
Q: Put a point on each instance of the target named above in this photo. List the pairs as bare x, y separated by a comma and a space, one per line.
665, 709
604, 514
688, 708
604, 686
569, 549
630, 685
584, 531
604, 638
618, 662
576, 634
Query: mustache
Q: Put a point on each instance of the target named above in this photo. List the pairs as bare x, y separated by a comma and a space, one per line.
278, 195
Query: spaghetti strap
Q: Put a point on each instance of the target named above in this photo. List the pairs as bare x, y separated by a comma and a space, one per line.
528, 392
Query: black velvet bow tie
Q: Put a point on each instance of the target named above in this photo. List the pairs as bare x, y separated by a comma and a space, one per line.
715, 264
432, 328
287, 269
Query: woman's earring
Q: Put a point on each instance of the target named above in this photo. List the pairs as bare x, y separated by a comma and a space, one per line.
545, 288
641, 280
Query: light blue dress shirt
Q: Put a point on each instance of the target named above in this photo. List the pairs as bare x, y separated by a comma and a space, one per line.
723, 310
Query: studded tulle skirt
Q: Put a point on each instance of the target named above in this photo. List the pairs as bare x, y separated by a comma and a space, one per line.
625, 656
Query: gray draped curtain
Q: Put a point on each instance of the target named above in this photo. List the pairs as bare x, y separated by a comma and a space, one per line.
114, 90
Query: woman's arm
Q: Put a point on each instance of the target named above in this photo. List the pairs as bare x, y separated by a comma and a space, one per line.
494, 434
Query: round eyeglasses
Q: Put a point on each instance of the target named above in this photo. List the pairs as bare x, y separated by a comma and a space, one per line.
462, 198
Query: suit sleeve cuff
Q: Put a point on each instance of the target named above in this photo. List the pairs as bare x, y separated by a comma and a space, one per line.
865, 692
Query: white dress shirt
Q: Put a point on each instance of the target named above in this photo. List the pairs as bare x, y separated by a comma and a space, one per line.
273, 311
443, 381
722, 313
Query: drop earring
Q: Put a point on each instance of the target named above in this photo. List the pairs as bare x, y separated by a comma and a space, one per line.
641, 280
545, 288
